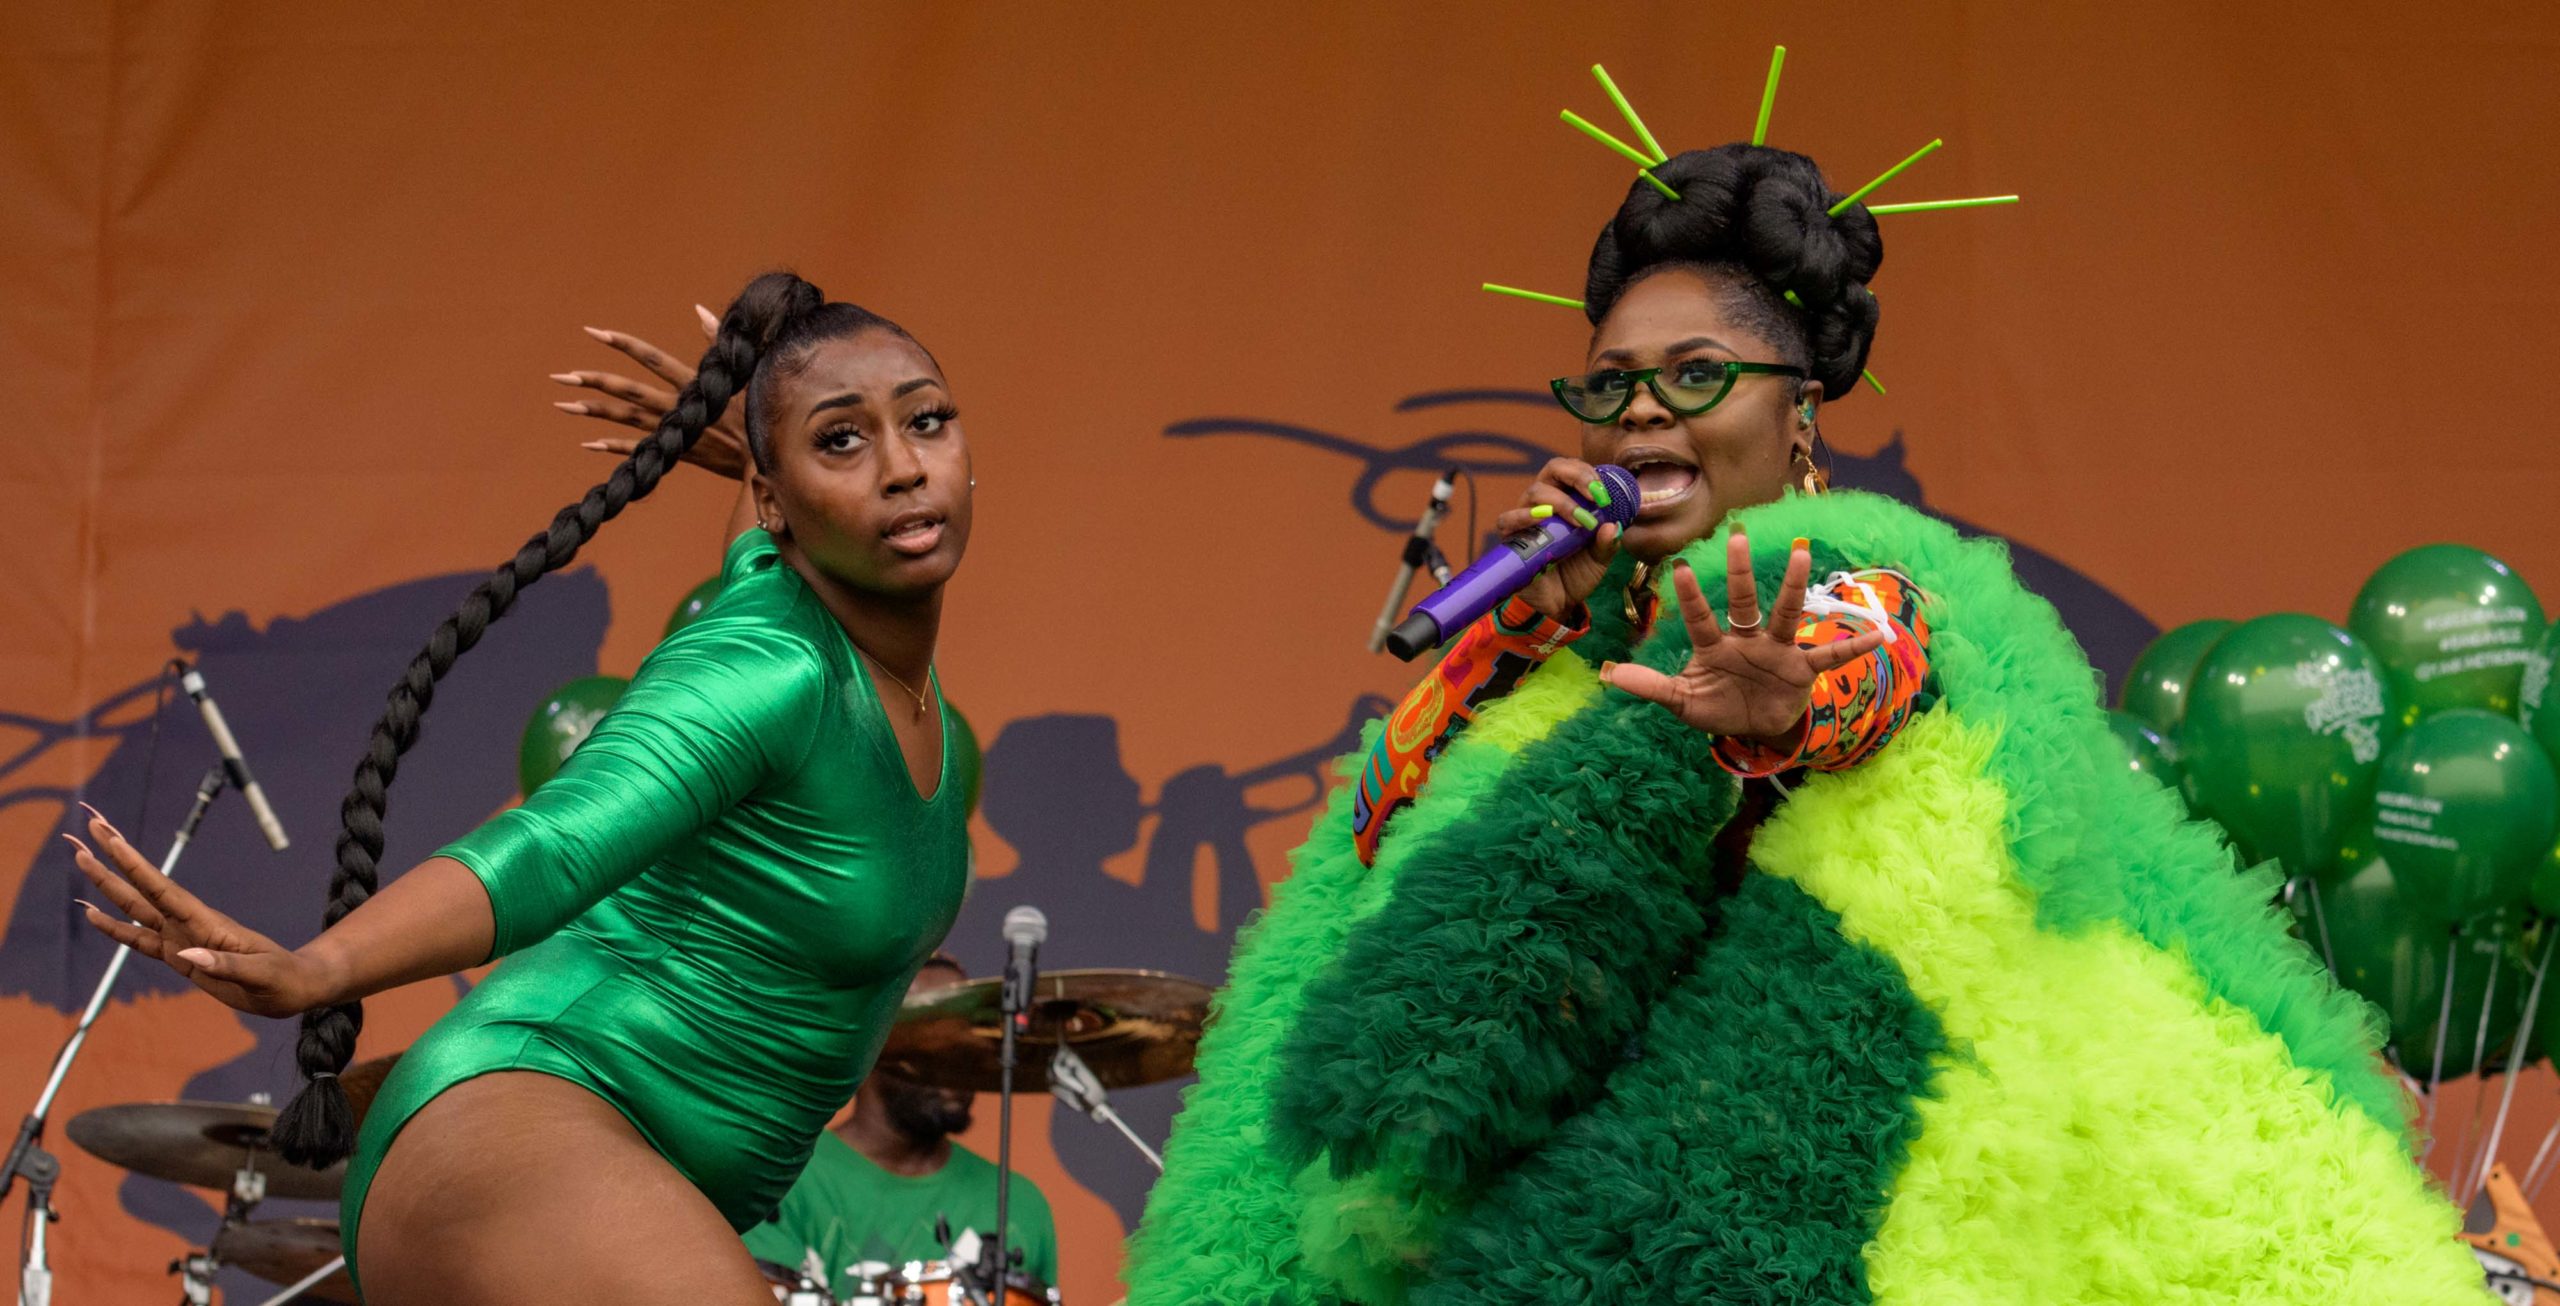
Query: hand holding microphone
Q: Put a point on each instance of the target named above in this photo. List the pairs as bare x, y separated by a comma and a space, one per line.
1557, 544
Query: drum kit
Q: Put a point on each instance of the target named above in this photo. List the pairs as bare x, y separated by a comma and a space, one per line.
1088, 1030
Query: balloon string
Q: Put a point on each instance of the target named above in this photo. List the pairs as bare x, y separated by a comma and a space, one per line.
2320, 921
2444, 1018
2515, 1055
2461, 1160
2534, 1177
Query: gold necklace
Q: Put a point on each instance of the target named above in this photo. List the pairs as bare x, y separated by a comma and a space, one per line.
911, 691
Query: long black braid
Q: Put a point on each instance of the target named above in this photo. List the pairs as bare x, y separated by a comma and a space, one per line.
318, 1128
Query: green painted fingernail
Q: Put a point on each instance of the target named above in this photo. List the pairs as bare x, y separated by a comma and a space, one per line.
1599, 493
1589, 522
1542, 512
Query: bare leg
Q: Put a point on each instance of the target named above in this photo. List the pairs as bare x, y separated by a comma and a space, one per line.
518, 1187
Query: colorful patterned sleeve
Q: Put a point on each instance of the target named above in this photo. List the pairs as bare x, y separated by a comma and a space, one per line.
1484, 663
1859, 705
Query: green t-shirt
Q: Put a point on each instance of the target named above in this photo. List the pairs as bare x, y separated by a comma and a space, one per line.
847, 1209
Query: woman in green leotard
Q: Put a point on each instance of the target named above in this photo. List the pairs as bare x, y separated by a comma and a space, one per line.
709, 915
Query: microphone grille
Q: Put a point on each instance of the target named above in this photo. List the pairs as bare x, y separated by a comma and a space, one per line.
1026, 925
1626, 498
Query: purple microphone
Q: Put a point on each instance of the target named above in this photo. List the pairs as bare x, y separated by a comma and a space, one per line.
1501, 572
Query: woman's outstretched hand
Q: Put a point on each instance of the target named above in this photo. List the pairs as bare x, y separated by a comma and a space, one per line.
640, 405
1750, 681
246, 970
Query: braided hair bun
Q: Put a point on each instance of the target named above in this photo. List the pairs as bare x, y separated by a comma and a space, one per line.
1761, 212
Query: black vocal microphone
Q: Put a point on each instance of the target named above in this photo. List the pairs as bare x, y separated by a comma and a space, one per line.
1417, 554
232, 763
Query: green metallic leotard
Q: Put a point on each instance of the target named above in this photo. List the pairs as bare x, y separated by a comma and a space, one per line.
711, 914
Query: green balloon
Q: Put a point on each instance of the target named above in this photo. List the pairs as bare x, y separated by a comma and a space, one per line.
2395, 958
2544, 892
2155, 691
2453, 628
561, 724
2284, 724
696, 601
2536, 705
2465, 806
2145, 750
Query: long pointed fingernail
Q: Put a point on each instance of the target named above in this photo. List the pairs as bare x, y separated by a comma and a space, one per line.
74, 841
1583, 517
570, 406
605, 336
87, 905
1599, 492
1542, 512
710, 320
197, 957
598, 445
565, 378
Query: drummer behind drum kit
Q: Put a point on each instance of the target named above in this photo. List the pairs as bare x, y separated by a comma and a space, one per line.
1089, 1030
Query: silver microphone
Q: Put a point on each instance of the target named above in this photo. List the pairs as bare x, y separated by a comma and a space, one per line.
1418, 553
232, 763
1025, 929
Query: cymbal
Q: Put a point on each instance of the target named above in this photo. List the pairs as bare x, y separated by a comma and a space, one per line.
1131, 1027
198, 1143
282, 1251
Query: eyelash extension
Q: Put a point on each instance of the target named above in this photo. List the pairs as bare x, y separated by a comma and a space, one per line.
945, 412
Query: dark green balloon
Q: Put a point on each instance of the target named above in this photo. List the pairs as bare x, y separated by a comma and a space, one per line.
2145, 751
2544, 892
561, 724
2395, 957
2452, 626
2284, 724
690, 610
2155, 691
2537, 706
2465, 807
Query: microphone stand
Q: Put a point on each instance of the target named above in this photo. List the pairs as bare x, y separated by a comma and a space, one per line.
1419, 553
1073, 1082
1015, 1004
27, 1157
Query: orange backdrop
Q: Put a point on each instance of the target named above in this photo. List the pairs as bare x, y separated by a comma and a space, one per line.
282, 282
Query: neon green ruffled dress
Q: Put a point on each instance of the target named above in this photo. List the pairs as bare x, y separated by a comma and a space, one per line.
1988, 1020
710, 915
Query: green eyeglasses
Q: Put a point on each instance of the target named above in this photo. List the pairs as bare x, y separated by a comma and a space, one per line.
1687, 388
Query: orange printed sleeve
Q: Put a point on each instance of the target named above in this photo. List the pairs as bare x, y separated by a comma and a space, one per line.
1859, 705
1483, 664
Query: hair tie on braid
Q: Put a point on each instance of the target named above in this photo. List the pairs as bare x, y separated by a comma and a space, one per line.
318, 1127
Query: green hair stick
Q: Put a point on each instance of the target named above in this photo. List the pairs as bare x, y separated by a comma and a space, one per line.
1643, 164
1539, 296
1628, 111
1889, 174
1769, 96
1929, 206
